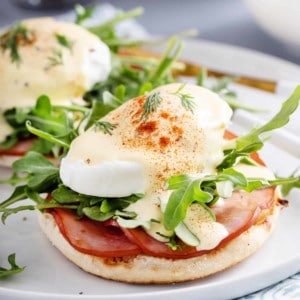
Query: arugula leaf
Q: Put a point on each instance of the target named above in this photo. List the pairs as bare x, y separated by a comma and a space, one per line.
9, 211
207, 190
171, 54
64, 195
106, 31
181, 199
18, 194
251, 142
83, 13
14, 268
43, 175
286, 187
55, 125
95, 208
47, 136
279, 120
94, 213
97, 111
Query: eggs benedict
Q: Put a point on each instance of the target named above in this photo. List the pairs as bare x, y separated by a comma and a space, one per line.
44, 56
136, 228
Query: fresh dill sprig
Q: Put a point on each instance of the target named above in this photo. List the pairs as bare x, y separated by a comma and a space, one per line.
16, 36
186, 99
56, 59
151, 104
57, 55
64, 41
187, 103
105, 127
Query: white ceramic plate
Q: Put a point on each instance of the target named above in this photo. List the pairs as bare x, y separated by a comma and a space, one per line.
48, 275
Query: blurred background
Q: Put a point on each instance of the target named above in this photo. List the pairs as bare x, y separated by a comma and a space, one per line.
226, 21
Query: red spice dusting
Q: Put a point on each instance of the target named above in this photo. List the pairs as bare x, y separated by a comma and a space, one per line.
159, 176
148, 127
174, 118
177, 130
149, 144
140, 100
166, 169
137, 114
164, 114
164, 141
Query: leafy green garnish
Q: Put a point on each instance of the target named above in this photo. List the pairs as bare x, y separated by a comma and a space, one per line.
42, 174
207, 190
287, 187
83, 13
53, 123
252, 142
14, 268
106, 31
170, 56
16, 36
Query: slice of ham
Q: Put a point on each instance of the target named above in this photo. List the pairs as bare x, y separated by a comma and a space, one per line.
237, 214
93, 237
19, 149
106, 239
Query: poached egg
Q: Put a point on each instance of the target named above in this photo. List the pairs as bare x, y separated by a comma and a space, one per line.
48, 67
140, 155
